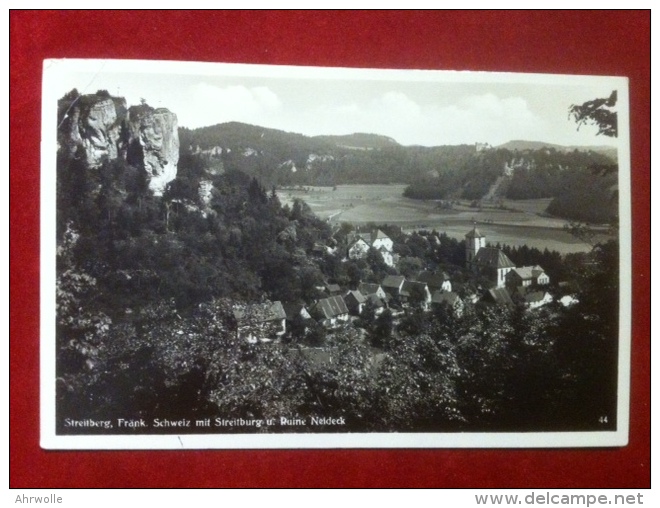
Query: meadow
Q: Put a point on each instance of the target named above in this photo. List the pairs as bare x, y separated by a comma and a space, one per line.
522, 222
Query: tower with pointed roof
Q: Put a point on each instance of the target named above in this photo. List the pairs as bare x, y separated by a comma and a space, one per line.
488, 261
473, 242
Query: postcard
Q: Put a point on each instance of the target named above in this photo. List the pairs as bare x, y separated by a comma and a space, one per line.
250, 256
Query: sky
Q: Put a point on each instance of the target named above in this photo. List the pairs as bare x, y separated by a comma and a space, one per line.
412, 107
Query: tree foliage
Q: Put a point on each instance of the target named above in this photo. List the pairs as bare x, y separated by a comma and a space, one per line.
599, 112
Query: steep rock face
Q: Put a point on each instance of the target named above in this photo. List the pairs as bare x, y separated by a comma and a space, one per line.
153, 144
96, 127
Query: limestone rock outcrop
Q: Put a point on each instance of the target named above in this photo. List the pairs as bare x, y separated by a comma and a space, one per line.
153, 144
98, 127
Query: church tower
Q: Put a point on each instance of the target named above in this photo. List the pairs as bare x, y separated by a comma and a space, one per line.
473, 242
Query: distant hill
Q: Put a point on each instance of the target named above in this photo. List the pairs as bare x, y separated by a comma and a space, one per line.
360, 141
521, 145
284, 158
516, 170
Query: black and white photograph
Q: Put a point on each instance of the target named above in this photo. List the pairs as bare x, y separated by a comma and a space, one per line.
246, 256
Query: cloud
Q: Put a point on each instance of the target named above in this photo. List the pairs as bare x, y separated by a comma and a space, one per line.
209, 104
379, 115
396, 104
488, 118
474, 118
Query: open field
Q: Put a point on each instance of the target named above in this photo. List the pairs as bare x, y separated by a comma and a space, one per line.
519, 224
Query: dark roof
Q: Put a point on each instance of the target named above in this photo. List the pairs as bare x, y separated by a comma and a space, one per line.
293, 309
442, 297
355, 296
393, 281
358, 240
332, 306
333, 288
528, 272
524, 272
492, 258
368, 289
434, 280
277, 311
376, 300
409, 285
537, 270
474, 233
500, 296
377, 235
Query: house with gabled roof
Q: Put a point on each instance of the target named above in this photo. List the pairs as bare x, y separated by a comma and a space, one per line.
452, 300
542, 278
377, 302
437, 281
332, 289
367, 289
355, 302
527, 276
381, 240
499, 297
412, 289
375, 296
358, 249
392, 284
294, 310
534, 299
360, 243
331, 310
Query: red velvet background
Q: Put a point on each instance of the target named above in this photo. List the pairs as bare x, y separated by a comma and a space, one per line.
566, 42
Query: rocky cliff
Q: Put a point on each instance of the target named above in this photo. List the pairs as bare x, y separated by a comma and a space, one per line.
98, 127
93, 128
153, 144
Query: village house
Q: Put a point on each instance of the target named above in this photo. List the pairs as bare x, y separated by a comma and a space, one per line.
355, 302
320, 250
392, 284
535, 299
412, 290
381, 240
499, 297
452, 300
358, 249
435, 281
368, 289
260, 322
375, 295
527, 276
295, 310
377, 302
298, 319
331, 311
332, 289
360, 243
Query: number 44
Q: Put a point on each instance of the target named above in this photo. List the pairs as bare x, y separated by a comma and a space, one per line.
602, 419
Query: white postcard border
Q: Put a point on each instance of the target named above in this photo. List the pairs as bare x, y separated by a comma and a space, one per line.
55, 70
